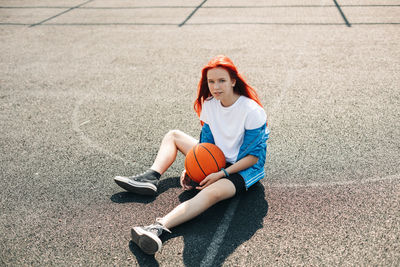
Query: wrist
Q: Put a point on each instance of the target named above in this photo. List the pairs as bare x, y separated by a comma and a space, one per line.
220, 174
224, 173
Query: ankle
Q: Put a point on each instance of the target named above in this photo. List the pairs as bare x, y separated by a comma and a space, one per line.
159, 221
154, 173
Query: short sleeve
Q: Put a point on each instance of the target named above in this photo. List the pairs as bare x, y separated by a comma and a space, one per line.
255, 119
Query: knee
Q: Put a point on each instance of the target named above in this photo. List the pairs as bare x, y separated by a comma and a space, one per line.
172, 135
213, 195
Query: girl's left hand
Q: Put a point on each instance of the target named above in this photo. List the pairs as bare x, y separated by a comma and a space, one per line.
210, 179
185, 181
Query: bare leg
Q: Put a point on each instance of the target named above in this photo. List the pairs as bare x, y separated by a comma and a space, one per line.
216, 192
172, 142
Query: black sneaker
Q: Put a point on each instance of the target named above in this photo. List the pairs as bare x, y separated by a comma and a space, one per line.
143, 184
147, 237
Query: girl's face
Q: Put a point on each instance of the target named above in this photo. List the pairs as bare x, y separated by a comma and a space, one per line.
221, 86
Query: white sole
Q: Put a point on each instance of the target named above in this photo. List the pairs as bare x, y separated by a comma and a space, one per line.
148, 242
135, 187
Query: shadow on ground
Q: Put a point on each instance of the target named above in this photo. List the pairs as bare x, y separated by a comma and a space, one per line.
127, 197
199, 232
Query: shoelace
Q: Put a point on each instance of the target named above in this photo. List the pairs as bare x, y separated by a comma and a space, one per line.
142, 174
137, 175
157, 227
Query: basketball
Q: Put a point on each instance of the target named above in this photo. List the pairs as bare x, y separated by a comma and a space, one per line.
202, 160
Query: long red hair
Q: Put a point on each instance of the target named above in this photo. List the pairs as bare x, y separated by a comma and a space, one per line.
241, 86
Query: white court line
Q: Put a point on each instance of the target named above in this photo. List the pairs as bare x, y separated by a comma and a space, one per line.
219, 235
223, 227
89, 142
339, 183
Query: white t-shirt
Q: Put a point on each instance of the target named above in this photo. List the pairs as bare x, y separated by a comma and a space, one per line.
228, 124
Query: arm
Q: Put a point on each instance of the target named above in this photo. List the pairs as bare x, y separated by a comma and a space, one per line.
240, 165
206, 134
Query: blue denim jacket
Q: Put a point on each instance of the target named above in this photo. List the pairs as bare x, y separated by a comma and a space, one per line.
254, 143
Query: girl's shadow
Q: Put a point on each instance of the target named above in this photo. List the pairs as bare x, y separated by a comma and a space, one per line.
199, 233
164, 185
205, 230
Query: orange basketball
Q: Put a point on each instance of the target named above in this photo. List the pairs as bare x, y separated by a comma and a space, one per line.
202, 160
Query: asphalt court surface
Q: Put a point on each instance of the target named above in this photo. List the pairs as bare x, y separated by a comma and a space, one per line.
88, 89
214, 12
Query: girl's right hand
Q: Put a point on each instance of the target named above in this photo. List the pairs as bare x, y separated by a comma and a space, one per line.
185, 181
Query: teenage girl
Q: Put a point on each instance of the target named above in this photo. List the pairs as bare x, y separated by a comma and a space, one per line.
232, 118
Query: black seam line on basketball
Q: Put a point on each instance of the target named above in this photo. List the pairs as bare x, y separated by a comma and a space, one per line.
59, 14
190, 176
191, 14
216, 162
198, 163
187, 171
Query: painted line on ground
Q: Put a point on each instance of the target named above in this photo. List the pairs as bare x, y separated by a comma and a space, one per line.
89, 142
219, 235
59, 14
191, 14
342, 14
338, 183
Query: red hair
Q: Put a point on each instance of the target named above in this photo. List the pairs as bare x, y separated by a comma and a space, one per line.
241, 86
